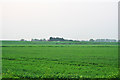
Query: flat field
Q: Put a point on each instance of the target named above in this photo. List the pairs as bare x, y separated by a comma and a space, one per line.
48, 60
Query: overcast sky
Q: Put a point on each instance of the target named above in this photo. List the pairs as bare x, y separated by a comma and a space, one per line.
70, 19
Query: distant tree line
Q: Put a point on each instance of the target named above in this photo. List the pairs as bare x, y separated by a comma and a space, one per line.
38, 39
58, 39
62, 39
103, 40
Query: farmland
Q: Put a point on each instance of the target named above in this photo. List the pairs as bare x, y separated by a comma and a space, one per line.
26, 59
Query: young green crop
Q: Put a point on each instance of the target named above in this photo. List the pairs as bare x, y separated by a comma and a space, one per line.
60, 61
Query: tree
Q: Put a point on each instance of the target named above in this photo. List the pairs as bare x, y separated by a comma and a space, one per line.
91, 40
22, 40
56, 39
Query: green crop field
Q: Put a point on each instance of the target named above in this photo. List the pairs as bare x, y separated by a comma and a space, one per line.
59, 60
